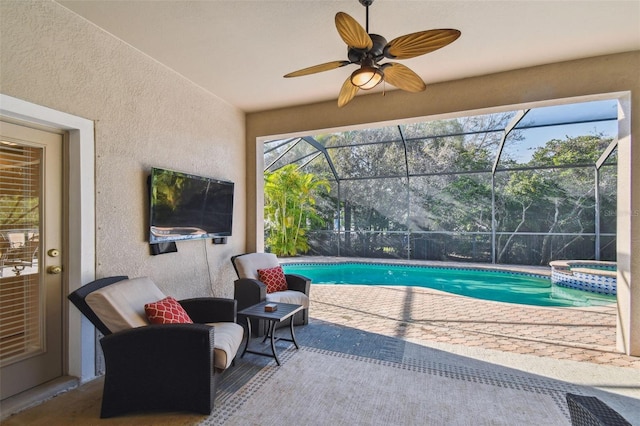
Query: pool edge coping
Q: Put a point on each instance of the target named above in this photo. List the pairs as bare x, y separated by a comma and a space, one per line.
539, 271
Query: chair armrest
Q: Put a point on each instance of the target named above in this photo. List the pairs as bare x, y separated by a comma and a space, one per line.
159, 366
159, 343
248, 292
204, 310
298, 283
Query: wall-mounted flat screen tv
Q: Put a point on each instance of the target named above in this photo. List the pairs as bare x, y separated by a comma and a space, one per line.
185, 206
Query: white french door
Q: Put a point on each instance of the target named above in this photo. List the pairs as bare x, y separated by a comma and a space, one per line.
31, 250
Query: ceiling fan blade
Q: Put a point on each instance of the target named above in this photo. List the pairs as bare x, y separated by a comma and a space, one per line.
318, 68
402, 77
416, 44
347, 92
352, 33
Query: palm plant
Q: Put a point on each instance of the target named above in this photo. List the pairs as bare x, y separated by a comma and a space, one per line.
290, 208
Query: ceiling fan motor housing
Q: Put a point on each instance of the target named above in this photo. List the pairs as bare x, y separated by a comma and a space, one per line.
376, 52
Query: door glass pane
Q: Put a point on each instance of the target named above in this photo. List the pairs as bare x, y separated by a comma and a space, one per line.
20, 289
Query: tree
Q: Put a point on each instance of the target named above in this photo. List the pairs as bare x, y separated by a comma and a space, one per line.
290, 209
551, 198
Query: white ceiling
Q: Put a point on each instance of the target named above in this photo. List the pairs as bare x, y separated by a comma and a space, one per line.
239, 50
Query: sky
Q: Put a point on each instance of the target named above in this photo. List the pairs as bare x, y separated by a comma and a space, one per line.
539, 136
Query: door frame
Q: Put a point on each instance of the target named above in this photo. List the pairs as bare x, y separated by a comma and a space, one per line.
79, 336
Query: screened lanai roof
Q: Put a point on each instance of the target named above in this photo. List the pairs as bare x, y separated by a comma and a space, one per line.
497, 141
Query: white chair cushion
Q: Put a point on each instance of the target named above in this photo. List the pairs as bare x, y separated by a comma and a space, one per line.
248, 264
226, 341
120, 306
289, 296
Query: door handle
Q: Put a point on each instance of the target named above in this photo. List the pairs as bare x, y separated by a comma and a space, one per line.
54, 269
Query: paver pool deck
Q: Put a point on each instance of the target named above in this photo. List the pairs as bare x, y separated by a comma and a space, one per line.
437, 318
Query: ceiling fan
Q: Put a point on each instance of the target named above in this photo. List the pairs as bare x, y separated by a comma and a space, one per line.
367, 50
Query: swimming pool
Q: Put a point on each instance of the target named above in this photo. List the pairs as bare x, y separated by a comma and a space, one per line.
500, 286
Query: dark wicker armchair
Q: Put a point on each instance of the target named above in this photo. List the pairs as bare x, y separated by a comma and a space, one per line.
249, 290
171, 367
590, 411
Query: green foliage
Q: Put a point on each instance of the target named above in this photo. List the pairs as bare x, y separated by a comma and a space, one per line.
290, 209
571, 151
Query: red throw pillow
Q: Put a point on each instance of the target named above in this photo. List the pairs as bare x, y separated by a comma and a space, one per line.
166, 311
273, 278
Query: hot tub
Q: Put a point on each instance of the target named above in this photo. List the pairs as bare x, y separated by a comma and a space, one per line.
588, 275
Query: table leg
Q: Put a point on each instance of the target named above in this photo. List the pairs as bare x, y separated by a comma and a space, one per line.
246, 345
293, 336
272, 331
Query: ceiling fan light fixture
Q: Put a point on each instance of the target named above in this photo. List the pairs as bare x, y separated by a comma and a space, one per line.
367, 50
367, 77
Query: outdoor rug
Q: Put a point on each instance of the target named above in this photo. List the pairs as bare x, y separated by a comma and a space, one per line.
317, 386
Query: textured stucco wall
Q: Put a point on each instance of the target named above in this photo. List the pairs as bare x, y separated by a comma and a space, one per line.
145, 115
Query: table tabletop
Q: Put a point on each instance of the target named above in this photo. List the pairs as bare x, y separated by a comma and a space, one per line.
284, 311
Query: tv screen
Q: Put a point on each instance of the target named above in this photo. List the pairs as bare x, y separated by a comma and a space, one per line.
185, 206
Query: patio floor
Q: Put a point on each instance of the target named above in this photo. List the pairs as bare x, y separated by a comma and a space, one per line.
449, 321
577, 345
431, 317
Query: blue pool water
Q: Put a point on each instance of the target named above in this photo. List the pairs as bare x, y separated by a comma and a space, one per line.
501, 286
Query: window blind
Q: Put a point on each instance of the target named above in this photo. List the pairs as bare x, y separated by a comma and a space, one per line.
20, 289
